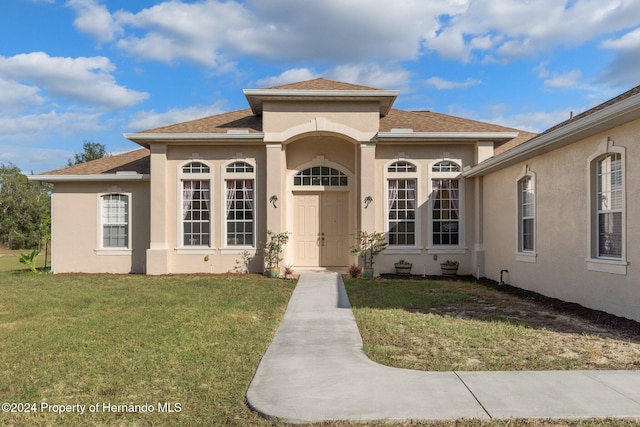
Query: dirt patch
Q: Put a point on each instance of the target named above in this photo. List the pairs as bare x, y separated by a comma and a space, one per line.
605, 341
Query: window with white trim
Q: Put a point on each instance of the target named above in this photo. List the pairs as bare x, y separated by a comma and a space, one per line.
609, 206
115, 221
401, 204
526, 214
445, 204
196, 205
239, 194
320, 175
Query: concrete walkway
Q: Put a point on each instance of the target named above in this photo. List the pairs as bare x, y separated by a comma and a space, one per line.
315, 370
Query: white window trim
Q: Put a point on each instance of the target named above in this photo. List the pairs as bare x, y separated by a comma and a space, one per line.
595, 263
181, 248
461, 247
520, 254
102, 251
225, 176
416, 248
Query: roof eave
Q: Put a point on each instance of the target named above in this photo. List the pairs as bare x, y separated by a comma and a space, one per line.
445, 136
256, 97
145, 138
90, 177
599, 121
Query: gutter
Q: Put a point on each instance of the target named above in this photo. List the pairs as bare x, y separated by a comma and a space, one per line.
119, 176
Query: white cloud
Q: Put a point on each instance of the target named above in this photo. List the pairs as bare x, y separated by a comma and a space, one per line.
34, 127
84, 79
15, 96
289, 76
151, 119
95, 20
630, 40
568, 79
623, 69
372, 75
442, 84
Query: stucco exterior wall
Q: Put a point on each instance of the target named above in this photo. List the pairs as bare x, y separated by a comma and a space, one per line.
219, 257
426, 258
76, 228
562, 243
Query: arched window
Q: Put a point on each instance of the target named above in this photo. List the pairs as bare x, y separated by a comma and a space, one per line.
320, 175
445, 204
196, 204
115, 221
445, 166
239, 196
402, 180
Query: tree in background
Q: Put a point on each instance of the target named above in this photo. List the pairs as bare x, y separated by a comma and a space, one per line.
25, 209
90, 151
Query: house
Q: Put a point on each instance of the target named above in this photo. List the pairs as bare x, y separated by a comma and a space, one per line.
321, 159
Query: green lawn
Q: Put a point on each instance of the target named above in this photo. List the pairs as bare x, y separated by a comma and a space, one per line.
186, 343
10, 260
119, 340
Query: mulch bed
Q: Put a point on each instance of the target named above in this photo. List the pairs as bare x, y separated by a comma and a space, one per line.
597, 317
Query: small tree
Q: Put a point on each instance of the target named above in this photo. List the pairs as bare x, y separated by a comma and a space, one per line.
368, 245
273, 248
90, 151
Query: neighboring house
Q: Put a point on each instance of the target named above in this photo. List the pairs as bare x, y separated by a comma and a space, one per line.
322, 159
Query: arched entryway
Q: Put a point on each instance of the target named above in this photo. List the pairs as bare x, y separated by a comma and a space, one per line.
321, 217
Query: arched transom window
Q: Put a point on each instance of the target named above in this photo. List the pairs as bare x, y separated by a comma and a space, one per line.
320, 175
445, 166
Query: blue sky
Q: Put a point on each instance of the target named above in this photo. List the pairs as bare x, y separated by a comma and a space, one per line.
90, 70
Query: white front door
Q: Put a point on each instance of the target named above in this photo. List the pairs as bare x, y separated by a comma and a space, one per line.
321, 235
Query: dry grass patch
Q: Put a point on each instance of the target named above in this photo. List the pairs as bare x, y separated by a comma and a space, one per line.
457, 325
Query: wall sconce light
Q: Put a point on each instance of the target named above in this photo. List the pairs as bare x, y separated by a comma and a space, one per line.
273, 199
367, 201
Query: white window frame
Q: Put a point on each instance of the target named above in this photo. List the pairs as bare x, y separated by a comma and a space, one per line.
107, 250
594, 261
193, 176
522, 254
404, 175
460, 248
237, 176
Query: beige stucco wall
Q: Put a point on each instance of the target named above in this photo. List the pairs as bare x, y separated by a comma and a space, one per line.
76, 228
219, 257
562, 227
426, 258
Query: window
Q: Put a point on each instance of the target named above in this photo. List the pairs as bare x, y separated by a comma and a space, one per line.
320, 175
609, 206
195, 167
196, 217
526, 226
445, 166
239, 213
445, 213
402, 212
115, 221
402, 183
607, 213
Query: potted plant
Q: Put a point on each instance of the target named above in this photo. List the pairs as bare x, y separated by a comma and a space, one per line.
354, 270
368, 245
403, 267
449, 267
272, 252
288, 271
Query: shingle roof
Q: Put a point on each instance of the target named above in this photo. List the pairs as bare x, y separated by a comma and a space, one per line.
131, 161
221, 123
419, 121
322, 84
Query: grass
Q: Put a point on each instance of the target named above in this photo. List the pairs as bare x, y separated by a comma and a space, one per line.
86, 339
10, 260
124, 339
457, 325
